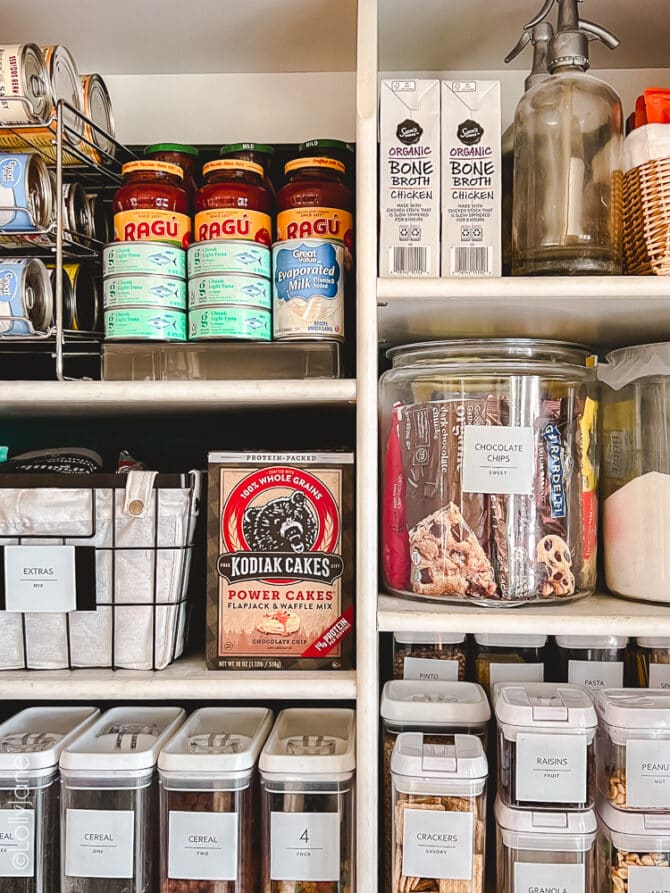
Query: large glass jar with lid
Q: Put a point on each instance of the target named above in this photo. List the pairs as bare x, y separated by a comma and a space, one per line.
490, 469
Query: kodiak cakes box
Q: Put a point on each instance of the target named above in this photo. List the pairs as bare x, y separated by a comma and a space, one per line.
280, 561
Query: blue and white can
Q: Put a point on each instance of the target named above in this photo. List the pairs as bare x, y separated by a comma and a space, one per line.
229, 288
308, 289
27, 202
26, 298
228, 256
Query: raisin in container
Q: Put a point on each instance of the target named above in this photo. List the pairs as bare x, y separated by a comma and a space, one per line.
651, 661
109, 801
490, 467
634, 749
429, 656
30, 745
208, 794
545, 850
439, 814
634, 851
546, 746
592, 661
307, 779
509, 658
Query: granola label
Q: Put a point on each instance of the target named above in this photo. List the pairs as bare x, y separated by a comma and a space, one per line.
531, 877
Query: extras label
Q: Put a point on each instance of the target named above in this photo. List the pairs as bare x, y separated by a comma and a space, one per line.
498, 459
305, 846
549, 877
643, 879
648, 774
203, 846
429, 669
551, 768
17, 843
596, 673
40, 579
99, 843
437, 844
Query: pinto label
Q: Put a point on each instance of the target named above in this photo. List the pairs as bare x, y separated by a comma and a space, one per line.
233, 223
316, 223
152, 226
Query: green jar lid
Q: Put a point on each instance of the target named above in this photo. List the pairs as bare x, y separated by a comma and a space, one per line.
261, 148
309, 145
172, 147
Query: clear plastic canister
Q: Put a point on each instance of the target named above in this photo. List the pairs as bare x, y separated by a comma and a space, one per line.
650, 662
592, 661
545, 850
307, 781
636, 471
509, 658
634, 851
439, 814
490, 471
430, 656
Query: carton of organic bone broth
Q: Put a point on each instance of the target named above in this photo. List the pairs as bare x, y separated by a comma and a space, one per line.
409, 121
280, 561
471, 178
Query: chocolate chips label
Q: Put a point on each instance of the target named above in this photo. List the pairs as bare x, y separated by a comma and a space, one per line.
99, 843
438, 844
644, 879
431, 670
532, 877
498, 459
305, 846
203, 846
17, 842
647, 774
596, 673
551, 768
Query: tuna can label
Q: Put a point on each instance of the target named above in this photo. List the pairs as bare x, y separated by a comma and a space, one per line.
238, 323
12, 303
152, 226
229, 256
154, 291
233, 288
233, 223
316, 223
308, 289
145, 324
14, 194
154, 258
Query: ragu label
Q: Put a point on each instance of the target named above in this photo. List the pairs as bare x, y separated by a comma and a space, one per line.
316, 223
152, 226
280, 562
233, 223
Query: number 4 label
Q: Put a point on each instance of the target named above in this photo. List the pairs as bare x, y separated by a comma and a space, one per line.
305, 846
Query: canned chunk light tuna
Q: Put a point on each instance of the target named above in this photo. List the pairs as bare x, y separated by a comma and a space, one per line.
155, 258
145, 324
229, 289
228, 256
26, 302
142, 289
234, 323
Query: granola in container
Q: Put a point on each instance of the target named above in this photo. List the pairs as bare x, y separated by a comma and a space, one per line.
633, 851
430, 656
439, 814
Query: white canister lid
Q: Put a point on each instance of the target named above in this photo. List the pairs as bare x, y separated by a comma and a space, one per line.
653, 642
634, 824
39, 735
527, 821
310, 743
458, 769
217, 741
493, 640
416, 704
123, 741
604, 642
546, 706
634, 708
423, 638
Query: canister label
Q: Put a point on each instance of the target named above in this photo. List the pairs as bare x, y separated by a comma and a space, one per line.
316, 223
99, 843
156, 291
145, 324
648, 879
17, 842
152, 226
232, 288
532, 877
305, 846
504, 672
659, 675
596, 673
308, 289
244, 323
432, 670
233, 223
156, 258
437, 844
229, 256
203, 846
13, 194
647, 774
551, 768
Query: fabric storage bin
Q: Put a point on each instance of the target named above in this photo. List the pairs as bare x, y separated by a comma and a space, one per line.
634, 851
592, 661
208, 796
439, 814
125, 545
109, 801
430, 656
650, 663
545, 850
307, 780
634, 749
546, 746
509, 658
30, 746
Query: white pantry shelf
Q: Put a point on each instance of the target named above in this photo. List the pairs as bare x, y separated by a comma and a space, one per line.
598, 311
597, 614
187, 679
21, 398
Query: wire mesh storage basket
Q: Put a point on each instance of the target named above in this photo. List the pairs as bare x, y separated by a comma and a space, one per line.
124, 560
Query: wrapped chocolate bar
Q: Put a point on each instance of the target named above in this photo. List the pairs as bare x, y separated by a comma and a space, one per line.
490, 472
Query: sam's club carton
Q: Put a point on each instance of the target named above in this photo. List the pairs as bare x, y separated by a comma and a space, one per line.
409, 239
471, 178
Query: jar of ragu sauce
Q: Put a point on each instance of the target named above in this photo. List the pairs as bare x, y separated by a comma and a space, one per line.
152, 204
184, 156
258, 153
234, 203
336, 149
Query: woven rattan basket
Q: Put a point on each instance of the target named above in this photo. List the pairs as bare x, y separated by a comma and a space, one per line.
646, 234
